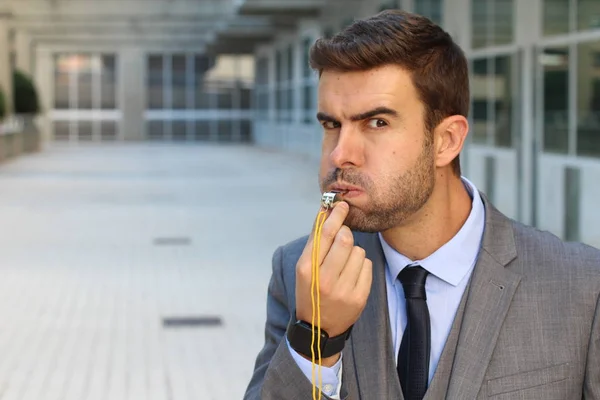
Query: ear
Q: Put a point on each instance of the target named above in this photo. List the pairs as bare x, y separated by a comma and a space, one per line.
450, 137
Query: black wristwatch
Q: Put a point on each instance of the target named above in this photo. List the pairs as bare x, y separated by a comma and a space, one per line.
299, 334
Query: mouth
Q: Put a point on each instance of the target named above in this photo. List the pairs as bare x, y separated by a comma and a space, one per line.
346, 191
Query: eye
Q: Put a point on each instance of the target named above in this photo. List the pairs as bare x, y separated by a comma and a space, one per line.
330, 125
377, 123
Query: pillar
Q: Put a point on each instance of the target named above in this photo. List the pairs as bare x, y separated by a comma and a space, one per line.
131, 81
6, 81
23, 47
44, 78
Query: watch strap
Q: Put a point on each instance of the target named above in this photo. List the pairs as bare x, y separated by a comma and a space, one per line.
299, 335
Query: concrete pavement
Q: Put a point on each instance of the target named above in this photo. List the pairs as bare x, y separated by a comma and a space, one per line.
99, 243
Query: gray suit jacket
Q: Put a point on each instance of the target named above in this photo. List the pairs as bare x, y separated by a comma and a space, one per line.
528, 326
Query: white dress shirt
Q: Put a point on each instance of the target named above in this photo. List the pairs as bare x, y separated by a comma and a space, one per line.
450, 269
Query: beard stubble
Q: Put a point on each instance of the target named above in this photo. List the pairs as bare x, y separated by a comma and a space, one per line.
393, 202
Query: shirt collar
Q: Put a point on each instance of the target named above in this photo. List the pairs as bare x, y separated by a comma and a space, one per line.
453, 260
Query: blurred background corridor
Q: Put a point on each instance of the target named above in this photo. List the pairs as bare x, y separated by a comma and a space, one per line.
154, 153
138, 271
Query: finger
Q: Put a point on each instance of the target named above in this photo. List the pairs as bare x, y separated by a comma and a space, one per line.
338, 256
363, 284
350, 273
332, 225
330, 229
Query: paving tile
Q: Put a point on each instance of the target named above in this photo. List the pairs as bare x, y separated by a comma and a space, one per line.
84, 285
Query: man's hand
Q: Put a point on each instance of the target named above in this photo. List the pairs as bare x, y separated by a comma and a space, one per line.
345, 277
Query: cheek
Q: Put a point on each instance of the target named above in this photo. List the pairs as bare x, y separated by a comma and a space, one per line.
388, 163
324, 168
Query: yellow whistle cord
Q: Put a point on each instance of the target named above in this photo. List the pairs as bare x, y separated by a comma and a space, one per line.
316, 308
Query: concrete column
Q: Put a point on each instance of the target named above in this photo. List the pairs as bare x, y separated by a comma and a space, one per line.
23, 45
131, 81
44, 78
456, 20
6, 81
528, 25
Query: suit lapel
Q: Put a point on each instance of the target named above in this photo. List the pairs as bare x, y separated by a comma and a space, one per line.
441, 378
371, 340
486, 304
490, 294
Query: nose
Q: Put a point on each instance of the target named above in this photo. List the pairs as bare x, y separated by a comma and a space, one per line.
348, 150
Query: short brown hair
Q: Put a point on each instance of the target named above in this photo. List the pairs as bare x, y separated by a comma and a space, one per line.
437, 64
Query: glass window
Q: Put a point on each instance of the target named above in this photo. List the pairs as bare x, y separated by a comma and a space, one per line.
155, 130
571, 213
556, 16
85, 130
201, 96
290, 63
108, 130
307, 70
278, 66
61, 82
492, 100
108, 83
492, 22
246, 131
503, 22
503, 101
178, 81
588, 14
225, 130
62, 130
224, 98
290, 102
84, 69
202, 130
178, 130
309, 94
389, 5
245, 94
588, 99
431, 9
262, 71
155, 82
555, 99
245, 68
479, 93
479, 22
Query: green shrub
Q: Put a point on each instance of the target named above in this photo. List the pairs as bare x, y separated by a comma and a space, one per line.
24, 94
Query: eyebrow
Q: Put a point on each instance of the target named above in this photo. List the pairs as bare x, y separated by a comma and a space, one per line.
321, 116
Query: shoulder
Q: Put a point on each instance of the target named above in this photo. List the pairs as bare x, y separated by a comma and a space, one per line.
286, 257
284, 263
544, 253
290, 252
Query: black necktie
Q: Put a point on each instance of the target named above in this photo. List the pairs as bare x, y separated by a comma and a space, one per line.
413, 357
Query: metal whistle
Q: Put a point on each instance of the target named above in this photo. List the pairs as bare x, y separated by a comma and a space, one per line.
329, 199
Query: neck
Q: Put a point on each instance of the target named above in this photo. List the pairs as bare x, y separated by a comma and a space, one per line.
436, 222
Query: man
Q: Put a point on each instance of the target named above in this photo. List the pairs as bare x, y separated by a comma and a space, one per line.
426, 290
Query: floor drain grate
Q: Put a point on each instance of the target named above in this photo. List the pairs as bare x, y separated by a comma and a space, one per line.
172, 241
186, 322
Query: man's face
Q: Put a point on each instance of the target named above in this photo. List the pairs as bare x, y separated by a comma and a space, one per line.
375, 144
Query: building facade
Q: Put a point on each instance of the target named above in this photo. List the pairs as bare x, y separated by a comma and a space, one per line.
237, 70
534, 144
132, 69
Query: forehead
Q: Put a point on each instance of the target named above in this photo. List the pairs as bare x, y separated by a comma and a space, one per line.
356, 91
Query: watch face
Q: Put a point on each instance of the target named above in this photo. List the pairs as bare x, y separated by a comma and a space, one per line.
307, 326
304, 324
